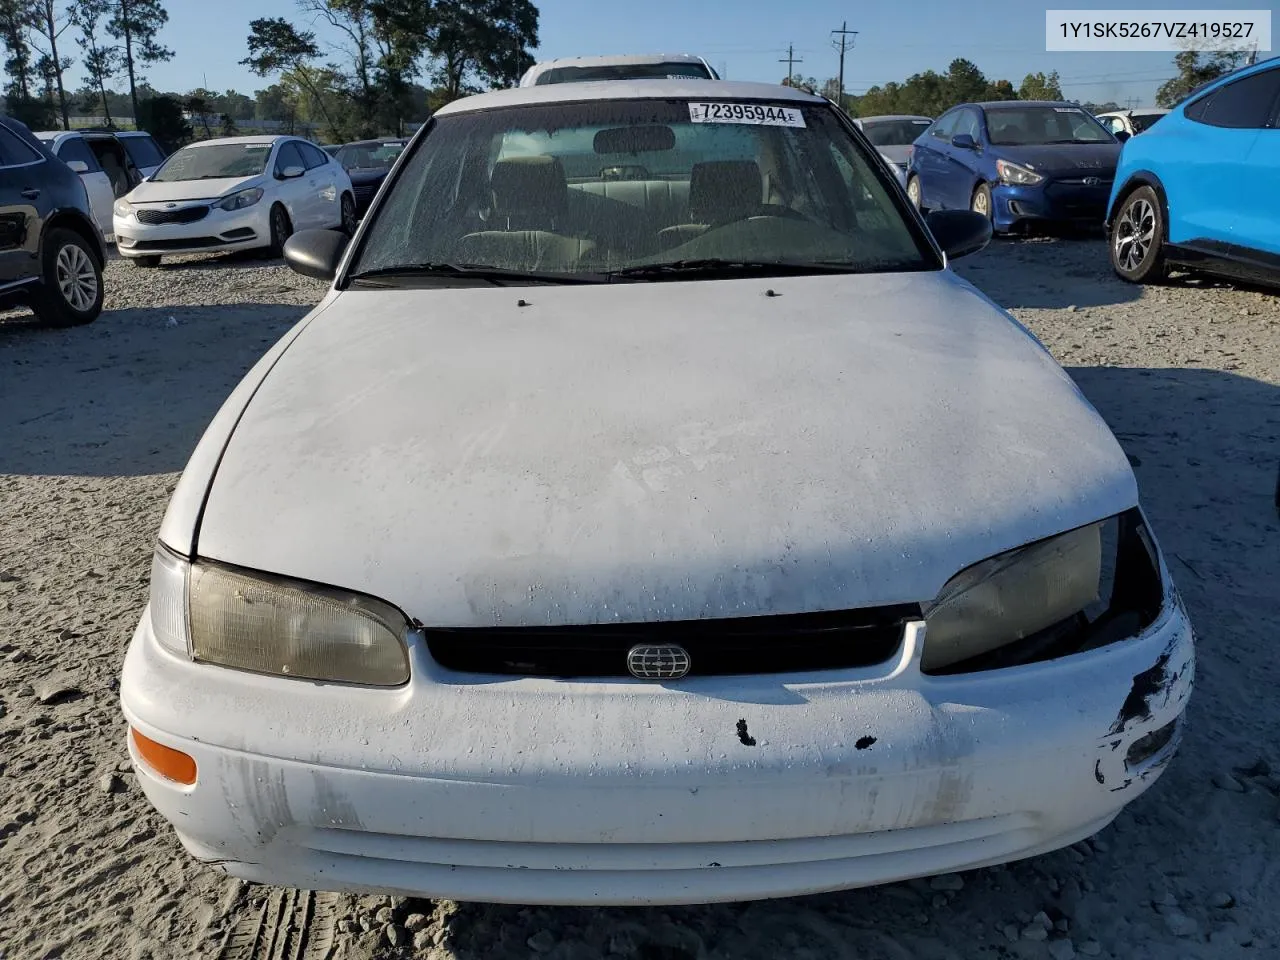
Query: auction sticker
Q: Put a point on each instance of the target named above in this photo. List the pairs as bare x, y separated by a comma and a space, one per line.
753, 113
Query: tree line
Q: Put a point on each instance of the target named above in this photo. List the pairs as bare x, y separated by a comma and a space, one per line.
384, 64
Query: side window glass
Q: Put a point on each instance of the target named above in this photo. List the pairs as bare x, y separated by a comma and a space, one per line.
968, 123
288, 156
77, 149
314, 156
944, 128
14, 150
1242, 104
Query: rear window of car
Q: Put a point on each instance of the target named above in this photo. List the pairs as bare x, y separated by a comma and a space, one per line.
894, 133
143, 151
629, 71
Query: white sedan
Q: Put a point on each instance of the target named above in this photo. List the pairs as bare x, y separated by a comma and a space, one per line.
685, 533
235, 193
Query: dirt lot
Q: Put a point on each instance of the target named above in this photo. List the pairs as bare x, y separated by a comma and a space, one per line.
95, 424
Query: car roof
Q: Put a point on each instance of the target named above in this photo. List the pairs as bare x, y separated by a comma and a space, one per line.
266, 140
621, 59
894, 116
1010, 104
1128, 113
375, 142
630, 90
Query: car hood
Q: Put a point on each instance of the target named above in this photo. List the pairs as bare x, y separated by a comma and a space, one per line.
1065, 159
579, 454
897, 153
153, 192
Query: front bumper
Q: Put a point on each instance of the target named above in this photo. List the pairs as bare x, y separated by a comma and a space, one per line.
219, 230
1054, 201
539, 791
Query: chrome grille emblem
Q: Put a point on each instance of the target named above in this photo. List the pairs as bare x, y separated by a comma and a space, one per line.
664, 661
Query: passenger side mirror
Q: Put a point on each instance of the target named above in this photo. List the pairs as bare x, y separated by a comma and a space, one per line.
964, 141
315, 253
1122, 135
959, 232
292, 173
78, 166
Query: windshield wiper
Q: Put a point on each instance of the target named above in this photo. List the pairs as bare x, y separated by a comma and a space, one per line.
716, 267
495, 276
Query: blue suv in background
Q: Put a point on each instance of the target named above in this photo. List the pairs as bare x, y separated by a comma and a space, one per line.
1018, 162
1200, 190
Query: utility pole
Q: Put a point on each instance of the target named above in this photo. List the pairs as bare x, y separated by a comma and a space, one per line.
843, 45
1131, 102
790, 60
1253, 54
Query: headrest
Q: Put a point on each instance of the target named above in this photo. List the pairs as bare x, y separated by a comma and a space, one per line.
721, 191
529, 185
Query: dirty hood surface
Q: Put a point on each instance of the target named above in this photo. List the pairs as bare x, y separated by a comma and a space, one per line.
657, 451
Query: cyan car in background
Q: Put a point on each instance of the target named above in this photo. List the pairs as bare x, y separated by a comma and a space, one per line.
1201, 189
1021, 163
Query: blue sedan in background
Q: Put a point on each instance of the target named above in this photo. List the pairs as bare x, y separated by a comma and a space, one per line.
1021, 163
1201, 189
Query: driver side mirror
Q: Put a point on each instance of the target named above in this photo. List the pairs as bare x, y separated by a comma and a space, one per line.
292, 173
958, 232
78, 166
315, 253
964, 141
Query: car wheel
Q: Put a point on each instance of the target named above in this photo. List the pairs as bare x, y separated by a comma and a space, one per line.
1137, 237
149, 261
280, 230
348, 215
980, 202
71, 293
913, 191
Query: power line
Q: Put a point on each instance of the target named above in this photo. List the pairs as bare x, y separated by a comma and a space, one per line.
843, 45
790, 60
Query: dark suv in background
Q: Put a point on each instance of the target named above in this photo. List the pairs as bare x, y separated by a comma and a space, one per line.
51, 251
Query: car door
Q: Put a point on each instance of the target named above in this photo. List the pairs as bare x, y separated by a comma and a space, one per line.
1259, 222
97, 183
931, 162
1212, 177
294, 192
960, 164
22, 201
323, 180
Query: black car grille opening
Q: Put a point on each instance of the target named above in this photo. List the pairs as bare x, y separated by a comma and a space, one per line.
1131, 596
787, 643
181, 215
179, 243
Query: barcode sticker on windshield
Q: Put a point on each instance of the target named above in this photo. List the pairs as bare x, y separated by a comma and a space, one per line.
753, 113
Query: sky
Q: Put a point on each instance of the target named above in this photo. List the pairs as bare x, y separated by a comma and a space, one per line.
742, 39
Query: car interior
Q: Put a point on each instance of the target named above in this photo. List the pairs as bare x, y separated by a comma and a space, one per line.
116, 163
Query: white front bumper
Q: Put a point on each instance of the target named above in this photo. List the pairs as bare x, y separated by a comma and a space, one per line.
543, 791
228, 230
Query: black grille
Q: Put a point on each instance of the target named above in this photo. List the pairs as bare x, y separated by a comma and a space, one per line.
1078, 199
364, 194
179, 243
743, 645
181, 215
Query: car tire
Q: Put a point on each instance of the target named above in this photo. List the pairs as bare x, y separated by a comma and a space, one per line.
914, 194
150, 262
71, 290
1136, 243
980, 202
281, 228
348, 222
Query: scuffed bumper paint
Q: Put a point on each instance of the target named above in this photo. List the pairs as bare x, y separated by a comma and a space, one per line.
541, 791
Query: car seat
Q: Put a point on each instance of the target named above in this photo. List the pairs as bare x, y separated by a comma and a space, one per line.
720, 192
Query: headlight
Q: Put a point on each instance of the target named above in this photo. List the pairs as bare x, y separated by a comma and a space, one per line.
122, 208
238, 201
1016, 174
267, 625
1078, 591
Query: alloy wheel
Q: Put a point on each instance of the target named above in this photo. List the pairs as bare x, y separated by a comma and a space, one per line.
76, 277
1134, 234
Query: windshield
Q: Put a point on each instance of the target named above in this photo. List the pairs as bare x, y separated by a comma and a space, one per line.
603, 186
215, 162
369, 155
1143, 121
1027, 126
627, 71
895, 133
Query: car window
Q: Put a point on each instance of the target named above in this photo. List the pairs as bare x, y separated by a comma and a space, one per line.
609, 185
73, 148
1114, 124
1034, 125
944, 127
1241, 104
629, 71
968, 122
288, 157
1143, 121
894, 133
314, 156
143, 151
216, 161
367, 156
14, 150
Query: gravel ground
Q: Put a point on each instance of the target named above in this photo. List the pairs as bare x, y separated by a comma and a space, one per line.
95, 424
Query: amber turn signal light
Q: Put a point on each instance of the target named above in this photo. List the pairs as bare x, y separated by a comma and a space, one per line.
169, 763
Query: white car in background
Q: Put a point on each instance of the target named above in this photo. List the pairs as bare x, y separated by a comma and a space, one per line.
105, 167
643, 66
892, 135
708, 539
1132, 122
234, 193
